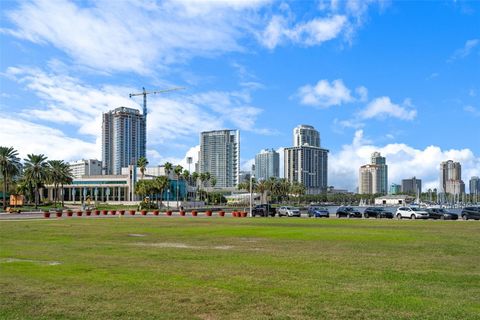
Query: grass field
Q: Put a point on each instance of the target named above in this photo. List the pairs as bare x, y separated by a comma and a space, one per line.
192, 268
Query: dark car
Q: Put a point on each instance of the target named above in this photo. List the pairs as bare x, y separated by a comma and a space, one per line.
263, 210
377, 212
439, 213
318, 212
348, 212
471, 213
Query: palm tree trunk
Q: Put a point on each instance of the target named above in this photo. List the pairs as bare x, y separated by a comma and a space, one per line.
37, 195
63, 197
4, 189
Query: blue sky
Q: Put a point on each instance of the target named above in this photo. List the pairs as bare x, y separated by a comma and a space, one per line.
399, 77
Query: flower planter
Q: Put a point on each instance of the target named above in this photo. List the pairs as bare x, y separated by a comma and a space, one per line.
144, 212
121, 212
194, 213
88, 213
234, 213
244, 214
182, 213
169, 213
59, 214
97, 212
104, 212
155, 212
46, 214
132, 212
113, 212
79, 213
69, 213
208, 213
221, 213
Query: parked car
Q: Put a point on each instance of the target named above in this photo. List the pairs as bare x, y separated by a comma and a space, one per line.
440, 213
318, 212
263, 210
471, 213
377, 212
288, 211
348, 212
411, 212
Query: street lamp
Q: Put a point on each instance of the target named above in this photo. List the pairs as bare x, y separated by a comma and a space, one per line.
251, 182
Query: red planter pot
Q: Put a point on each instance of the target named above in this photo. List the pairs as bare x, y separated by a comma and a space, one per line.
104, 212
88, 213
208, 213
46, 214
234, 213
59, 214
79, 213
168, 213
221, 213
69, 213
113, 212
155, 212
144, 212
244, 214
132, 212
194, 213
97, 212
182, 213
121, 212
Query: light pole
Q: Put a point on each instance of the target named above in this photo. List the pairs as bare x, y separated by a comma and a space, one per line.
251, 182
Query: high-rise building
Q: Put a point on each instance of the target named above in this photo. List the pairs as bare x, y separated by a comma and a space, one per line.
124, 139
305, 135
395, 188
307, 162
451, 178
412, 185
267, 164
82, 167
475, 185
220, 156
373, 177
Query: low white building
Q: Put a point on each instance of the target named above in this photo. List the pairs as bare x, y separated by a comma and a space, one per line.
394, 200
90, 167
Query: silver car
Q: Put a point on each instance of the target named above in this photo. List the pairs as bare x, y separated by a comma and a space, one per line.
411, 212
288, 211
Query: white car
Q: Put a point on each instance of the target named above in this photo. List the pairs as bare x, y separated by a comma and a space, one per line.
411, 212
288, 211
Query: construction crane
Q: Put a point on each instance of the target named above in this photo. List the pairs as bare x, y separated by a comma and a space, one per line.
144, 94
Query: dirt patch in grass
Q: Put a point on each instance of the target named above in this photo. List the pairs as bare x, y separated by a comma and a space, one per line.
13, 260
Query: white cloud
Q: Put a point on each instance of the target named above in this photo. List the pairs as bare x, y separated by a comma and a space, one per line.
134, 36
28, 137
383, 107
324, 94
466, 50
472, 110
403, 162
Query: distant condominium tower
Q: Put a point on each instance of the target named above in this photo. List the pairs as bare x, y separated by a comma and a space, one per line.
220, 156
306, 162
412, 185
124, 139
475, 185
451, 178
267, 164
395, 188
373, 177
82, 167
305, 135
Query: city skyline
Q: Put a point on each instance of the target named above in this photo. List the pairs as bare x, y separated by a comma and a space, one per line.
371, 77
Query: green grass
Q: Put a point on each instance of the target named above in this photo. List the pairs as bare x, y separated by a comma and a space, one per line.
223, 268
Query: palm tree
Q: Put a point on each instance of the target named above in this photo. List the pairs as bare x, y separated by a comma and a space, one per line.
213, 182
142, 163
203, 178
9, 166
178, 172
66, 177
36, 171
186, 177
195, 177
54, 176
168, 168
161, 183
262, 188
